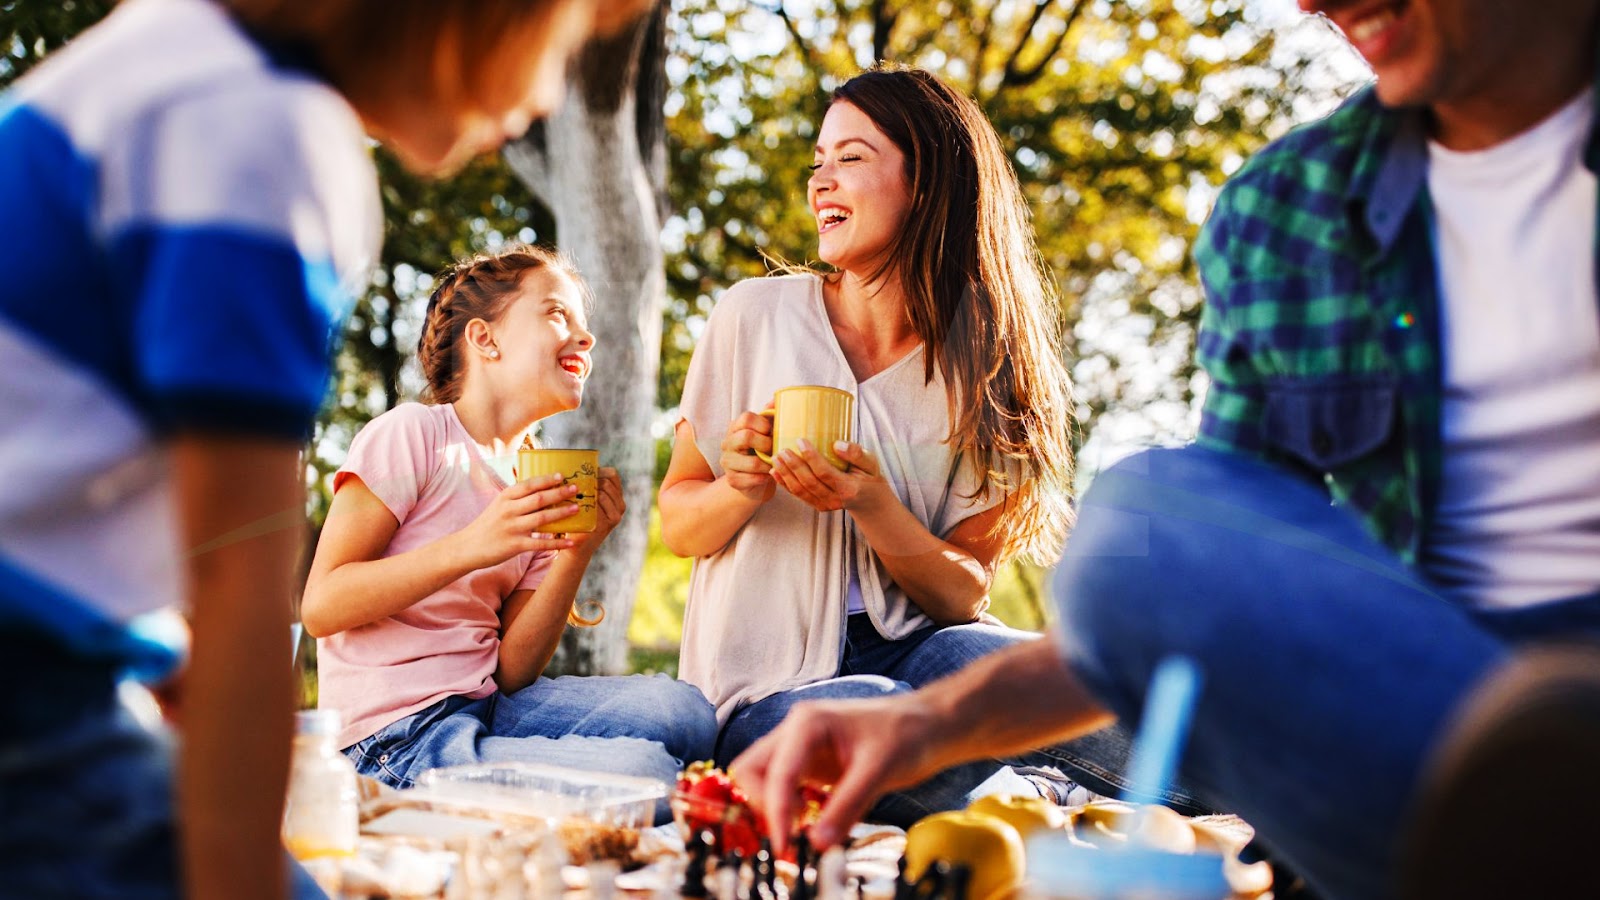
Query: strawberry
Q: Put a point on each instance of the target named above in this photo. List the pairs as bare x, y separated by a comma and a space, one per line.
740, 835
715, 787
708, 800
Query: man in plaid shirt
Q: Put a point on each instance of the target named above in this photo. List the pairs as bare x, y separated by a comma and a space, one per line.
1396, 488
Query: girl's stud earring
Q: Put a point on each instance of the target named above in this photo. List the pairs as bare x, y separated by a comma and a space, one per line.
494, 354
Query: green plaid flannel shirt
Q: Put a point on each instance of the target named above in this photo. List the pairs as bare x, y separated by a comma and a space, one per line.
1320, 330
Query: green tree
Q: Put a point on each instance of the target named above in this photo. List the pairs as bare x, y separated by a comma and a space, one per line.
1121, 118
31, 29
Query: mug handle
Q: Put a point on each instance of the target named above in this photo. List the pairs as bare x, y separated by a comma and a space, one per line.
773, 415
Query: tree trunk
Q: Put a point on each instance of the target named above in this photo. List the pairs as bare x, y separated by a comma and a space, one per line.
587, 164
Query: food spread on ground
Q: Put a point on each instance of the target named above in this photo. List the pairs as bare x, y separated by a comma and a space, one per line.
501, 832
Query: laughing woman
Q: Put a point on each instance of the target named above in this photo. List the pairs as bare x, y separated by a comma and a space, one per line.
811, 582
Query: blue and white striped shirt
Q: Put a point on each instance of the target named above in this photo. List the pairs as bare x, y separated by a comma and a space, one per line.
184, 221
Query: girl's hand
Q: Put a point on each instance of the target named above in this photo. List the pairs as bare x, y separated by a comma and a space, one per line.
513, 522
612, 506
814, 480
742, 469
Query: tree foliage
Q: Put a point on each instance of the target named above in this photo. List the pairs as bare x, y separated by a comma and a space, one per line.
1121, 119
31, 29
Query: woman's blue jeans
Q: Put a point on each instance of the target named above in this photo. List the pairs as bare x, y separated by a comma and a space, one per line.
1331, 669
874, 666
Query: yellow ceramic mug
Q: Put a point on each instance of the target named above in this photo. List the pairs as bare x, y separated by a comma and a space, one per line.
579, 467
819, 414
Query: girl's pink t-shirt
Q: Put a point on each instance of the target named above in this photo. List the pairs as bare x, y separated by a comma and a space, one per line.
428, 471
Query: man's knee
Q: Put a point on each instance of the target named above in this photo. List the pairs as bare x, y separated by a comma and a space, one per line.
1135, 562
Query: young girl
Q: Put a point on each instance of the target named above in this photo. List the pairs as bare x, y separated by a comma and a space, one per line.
437, 598
812, 582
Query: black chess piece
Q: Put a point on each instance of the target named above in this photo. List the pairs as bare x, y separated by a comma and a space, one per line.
903, 889
694, 874
736, 859
803, 888
955, 886
932, 883
765, 884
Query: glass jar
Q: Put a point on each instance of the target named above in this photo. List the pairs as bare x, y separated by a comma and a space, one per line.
322, 815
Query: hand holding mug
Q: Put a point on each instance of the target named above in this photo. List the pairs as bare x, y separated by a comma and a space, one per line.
608, 512
743, 468
814, 479
518, 519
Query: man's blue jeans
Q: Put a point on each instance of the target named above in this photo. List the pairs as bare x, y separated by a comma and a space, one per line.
627, 725
1331, 669
85, 791
874, 667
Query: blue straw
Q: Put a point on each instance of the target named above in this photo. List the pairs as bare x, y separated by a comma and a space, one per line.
1059, 868
1167, 710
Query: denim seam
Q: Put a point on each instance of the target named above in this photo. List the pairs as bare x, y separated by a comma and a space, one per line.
1076, 762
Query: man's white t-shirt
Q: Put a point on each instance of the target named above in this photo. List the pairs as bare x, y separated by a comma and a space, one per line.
1518, 516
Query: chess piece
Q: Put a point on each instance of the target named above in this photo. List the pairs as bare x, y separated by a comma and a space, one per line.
694, 875
903, 889
727, 876
802, 859
737, 863
765, 882
955, 887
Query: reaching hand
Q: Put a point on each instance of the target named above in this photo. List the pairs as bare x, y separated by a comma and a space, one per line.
742, 469
863, 748
513, 522
809, 476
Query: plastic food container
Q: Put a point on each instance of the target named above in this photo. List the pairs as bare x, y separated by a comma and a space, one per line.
549, 792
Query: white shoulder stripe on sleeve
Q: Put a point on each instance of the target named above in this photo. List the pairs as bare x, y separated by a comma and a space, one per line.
276, 158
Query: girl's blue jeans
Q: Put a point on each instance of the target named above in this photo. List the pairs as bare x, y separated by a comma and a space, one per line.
1330, 668
637, 725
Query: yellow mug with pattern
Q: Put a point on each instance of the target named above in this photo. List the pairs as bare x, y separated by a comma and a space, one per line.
579, 467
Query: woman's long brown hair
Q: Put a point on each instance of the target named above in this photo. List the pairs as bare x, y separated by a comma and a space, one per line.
979, 297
